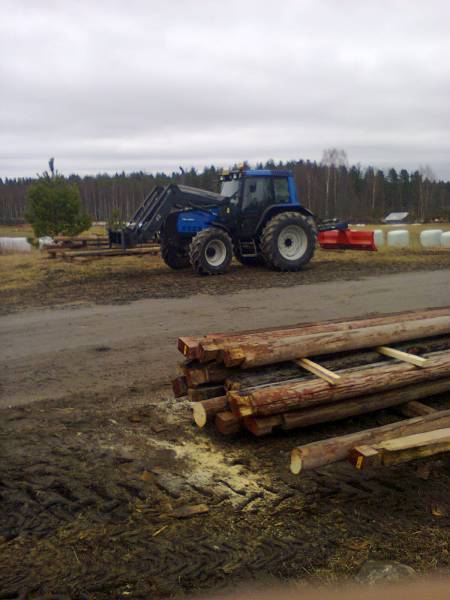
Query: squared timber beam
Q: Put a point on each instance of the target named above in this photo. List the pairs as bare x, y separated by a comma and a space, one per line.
398, 450
412, 359
319, 371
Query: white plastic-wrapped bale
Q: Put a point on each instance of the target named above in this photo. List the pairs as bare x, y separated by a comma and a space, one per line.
445, 239
45, 241
378, 237
399, 238
431, 238
14, 244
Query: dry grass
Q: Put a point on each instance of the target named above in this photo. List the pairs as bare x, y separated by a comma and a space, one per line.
32, 279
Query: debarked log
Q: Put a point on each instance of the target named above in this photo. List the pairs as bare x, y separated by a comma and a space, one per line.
318, 454
347, 408
354, 383
205, 410
238, 379
214, 346
269, 351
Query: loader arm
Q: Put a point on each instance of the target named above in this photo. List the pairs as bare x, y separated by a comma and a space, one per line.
159, 203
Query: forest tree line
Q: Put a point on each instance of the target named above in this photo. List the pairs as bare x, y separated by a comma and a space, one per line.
329, 188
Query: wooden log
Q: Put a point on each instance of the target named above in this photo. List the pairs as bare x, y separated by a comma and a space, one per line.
417, 409
402, 449
70, 254
366, 404
189, 346
419, 361
179, 387
339, 410
354, 383
198, 374
227, 423
272, 351
217, 343
205, 410
262, 426
318, 454
290, 371
205, 392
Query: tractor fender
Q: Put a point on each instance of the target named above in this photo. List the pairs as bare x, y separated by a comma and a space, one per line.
276, 209
220, 225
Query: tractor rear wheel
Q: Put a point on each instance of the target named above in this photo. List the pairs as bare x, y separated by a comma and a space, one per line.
174, 255
287, 242
211, 251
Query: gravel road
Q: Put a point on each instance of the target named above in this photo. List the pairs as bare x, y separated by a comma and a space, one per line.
48, 353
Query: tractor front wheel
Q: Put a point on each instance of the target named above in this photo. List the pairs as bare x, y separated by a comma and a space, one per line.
211, 251
174, 255
287, 242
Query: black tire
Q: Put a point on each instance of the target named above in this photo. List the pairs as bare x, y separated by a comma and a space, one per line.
248, 261
174, 255
211, 251
287, 242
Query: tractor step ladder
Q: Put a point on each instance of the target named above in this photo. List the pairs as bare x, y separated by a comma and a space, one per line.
248, 248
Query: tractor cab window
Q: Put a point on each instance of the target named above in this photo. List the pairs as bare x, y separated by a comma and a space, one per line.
230, 188
258, 193
281, 190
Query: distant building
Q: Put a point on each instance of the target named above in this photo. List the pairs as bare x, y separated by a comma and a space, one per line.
396, 218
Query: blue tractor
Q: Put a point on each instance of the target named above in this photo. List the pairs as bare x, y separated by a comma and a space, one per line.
256, 216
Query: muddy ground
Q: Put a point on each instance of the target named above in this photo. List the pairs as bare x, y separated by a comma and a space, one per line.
34, 281
96, 458
89, 489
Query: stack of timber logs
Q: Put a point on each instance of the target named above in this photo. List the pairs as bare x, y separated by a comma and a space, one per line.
80, 248
302, 375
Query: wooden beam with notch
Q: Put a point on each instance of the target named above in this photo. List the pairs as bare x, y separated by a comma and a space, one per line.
398, 450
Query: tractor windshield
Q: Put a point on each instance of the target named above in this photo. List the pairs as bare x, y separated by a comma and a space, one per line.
229, 187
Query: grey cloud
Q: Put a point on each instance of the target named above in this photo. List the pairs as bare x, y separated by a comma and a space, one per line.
107, 86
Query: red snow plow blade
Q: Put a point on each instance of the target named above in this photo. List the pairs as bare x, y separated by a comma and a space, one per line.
346, 239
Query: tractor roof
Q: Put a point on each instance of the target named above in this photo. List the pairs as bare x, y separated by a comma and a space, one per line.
257, 173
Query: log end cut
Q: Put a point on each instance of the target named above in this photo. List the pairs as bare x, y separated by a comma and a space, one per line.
296, 461
199, 414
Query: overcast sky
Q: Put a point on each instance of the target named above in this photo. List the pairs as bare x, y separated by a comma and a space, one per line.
151, 85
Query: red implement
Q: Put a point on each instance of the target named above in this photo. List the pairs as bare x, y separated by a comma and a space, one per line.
346, 239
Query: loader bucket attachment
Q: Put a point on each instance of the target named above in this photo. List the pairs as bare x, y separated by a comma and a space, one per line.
346, 239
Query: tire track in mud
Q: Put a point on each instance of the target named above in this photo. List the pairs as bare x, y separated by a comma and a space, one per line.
96, 483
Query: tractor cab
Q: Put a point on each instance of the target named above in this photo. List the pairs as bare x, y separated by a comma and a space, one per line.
257, 195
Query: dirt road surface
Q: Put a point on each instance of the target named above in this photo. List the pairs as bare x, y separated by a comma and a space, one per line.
47, 354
